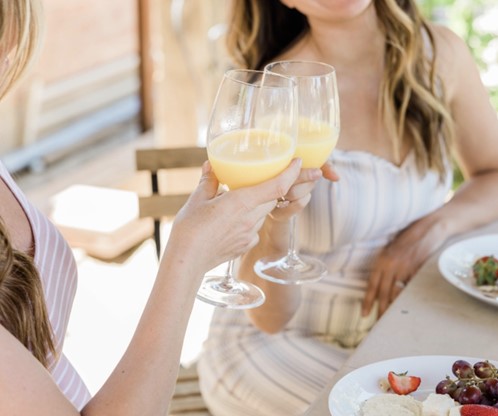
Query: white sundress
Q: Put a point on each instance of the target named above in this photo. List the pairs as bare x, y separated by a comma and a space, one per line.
245, 372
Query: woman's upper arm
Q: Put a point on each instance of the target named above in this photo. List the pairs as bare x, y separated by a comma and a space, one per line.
476, 121
26, 386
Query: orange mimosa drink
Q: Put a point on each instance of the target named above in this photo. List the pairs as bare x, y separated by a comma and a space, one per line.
315, 142
248, 157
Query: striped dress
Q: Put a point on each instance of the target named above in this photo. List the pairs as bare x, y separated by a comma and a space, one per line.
244, 371
58, 273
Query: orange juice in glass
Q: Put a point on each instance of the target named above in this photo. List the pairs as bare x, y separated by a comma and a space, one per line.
251, 156
251, 137
315, 141
318, 130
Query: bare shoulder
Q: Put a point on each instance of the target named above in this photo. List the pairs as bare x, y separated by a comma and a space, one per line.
27, 387
449, 46
453, 56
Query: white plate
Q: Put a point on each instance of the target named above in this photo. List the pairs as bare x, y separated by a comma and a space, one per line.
455, 264
353, 389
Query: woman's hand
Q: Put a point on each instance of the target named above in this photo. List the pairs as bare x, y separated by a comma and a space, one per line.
298, 196
300, 192
213, 227
400, 260
328, 172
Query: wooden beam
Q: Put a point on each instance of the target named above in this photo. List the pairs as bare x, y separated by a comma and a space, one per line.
159, 206
146, 62
155, 159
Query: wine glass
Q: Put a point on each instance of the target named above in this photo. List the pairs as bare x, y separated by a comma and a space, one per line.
318, 131
251, 138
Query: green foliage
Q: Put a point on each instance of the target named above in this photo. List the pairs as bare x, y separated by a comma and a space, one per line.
461, 16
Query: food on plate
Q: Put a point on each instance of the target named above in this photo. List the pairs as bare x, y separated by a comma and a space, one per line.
473, 410
437, 405
485, 271
474, 384
402, 383
391, 405
471, 391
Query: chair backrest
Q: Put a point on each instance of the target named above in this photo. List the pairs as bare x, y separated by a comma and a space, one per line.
158, 205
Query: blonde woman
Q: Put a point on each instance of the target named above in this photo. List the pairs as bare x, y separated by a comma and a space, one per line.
411, 99
38, 279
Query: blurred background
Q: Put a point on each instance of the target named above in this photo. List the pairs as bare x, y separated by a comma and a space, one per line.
114, 69
118, 68
116, 75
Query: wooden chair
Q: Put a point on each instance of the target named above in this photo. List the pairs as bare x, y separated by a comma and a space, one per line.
159, 205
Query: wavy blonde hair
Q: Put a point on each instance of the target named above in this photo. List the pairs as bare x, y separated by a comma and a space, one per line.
412, 99
23, 311
20, 32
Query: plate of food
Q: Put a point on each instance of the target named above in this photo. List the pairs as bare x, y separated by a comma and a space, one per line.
471, 265
418, 385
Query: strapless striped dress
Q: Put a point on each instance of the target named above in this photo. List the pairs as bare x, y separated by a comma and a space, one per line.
244, 371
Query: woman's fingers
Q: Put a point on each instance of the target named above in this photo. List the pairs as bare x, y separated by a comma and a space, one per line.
371, 294
272, 189
329, 173
385, 285
208, 185
309, 175
385, 289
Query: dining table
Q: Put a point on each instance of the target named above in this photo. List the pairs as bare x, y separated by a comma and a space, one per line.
431, 316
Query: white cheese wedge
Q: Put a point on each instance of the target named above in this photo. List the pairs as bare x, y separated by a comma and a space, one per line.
437, 405
455, 411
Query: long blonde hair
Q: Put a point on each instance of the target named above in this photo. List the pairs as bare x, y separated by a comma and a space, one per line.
20, 32
23, 311
411, 98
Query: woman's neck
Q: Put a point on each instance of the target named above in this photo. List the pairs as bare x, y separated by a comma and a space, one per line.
350, 43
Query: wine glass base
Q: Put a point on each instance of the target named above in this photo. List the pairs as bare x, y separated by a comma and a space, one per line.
236, 295
290, 270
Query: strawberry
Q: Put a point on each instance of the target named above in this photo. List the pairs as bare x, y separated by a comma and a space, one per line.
478, 410
402, 383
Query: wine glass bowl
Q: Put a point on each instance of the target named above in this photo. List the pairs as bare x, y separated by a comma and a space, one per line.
251, 137
318, 131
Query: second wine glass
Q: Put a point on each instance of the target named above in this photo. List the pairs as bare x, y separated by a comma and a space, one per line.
251, 138
318, 131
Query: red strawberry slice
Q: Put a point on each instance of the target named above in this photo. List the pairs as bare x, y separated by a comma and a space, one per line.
478, 410
402, 383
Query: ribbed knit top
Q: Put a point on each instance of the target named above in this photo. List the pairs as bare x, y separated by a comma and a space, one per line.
57, 268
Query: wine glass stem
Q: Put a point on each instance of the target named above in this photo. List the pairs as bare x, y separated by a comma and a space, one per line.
228, 281
292, 251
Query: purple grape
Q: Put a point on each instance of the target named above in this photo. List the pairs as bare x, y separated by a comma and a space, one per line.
456, 394
491, 387
484, 369
470, 395
486, 401
446, 387
462, 369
